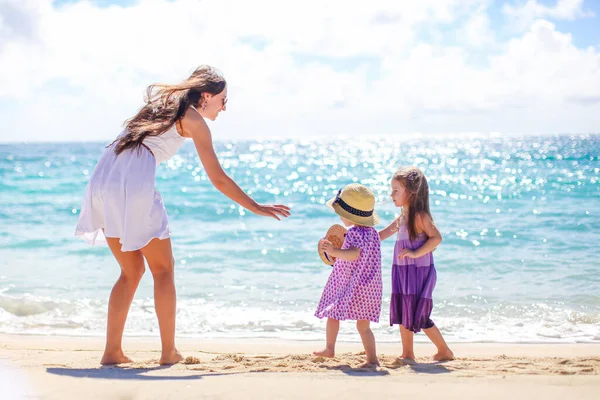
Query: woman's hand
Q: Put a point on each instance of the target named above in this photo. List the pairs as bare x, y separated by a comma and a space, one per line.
276, 211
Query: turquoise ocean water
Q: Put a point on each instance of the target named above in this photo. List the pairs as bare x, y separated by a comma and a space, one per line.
519, 216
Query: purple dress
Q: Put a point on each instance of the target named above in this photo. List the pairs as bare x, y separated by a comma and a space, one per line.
413, 281
353, 290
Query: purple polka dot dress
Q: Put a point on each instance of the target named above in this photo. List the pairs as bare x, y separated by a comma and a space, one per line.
353, 290
413, 281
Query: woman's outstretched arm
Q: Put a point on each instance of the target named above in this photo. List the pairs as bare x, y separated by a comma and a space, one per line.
194, 126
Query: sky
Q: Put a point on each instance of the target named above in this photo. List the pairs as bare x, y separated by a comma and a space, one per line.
74, 70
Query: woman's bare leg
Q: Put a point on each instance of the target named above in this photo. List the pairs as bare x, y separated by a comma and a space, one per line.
159, 255
121, 296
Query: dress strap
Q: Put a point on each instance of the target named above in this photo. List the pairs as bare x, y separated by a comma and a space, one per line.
194, 108
399, 226
147, 148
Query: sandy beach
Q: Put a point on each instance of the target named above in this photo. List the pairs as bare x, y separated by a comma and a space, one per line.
68, 368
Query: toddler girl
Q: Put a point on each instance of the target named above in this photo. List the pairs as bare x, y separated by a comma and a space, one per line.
353, 291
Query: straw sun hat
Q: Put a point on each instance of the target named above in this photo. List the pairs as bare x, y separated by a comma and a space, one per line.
356, 203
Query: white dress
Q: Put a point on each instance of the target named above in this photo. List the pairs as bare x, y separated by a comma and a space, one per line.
121, 197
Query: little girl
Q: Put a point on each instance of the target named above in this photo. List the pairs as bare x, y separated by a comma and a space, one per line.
413, 271
353, 291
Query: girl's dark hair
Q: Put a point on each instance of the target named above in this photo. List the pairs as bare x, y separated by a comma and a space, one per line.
414, 182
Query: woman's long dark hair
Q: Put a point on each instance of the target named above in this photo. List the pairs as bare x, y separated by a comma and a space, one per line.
166, 104
414, 182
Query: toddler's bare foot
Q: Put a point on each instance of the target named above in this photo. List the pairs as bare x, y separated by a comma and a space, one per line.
408, 356
172, 357
446, 355
115, 358
371, 363
329, 353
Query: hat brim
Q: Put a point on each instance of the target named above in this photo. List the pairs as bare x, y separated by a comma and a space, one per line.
364, 221
336, 235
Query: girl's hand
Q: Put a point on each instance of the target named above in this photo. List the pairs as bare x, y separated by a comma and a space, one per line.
276, 211
407, 253
326, 246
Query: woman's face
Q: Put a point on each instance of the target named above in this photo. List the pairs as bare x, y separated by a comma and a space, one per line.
214, 105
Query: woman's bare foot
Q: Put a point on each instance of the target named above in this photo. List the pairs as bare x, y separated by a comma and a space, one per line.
115, 358
329, 353
446, 355
170, 358
408, 356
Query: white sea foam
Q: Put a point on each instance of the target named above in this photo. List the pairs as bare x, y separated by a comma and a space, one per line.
213, 319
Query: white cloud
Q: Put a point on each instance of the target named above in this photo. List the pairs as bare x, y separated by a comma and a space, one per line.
525, 14
477, 32
17, 20
321, 68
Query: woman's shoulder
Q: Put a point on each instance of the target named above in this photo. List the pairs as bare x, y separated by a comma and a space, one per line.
192, 123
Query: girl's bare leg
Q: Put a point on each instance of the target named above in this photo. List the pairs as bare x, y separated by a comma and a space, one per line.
333, 327
407, 337
444, 353
368, 339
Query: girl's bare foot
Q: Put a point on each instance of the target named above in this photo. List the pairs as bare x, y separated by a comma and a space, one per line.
329, 353
408, 356
172, 357
115, 358
446, 355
